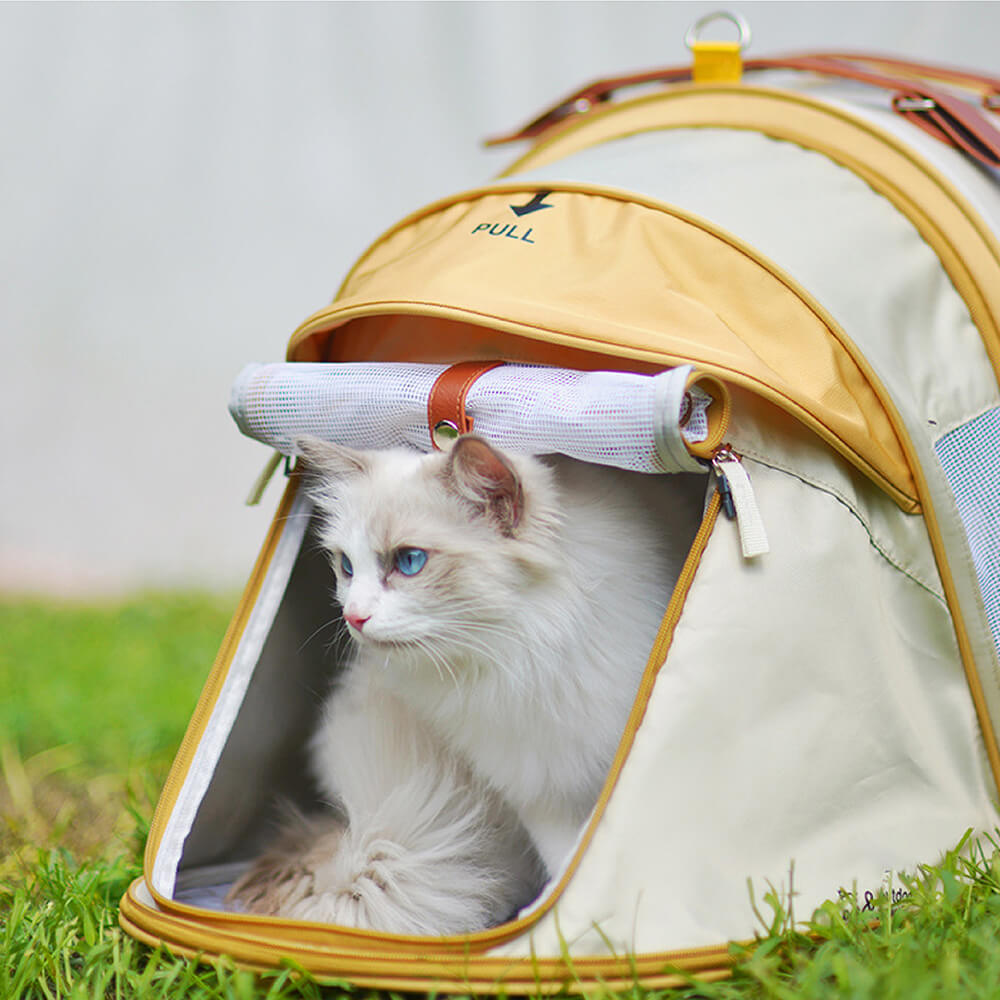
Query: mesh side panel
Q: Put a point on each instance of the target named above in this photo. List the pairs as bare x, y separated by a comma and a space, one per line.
611, 418
970, 457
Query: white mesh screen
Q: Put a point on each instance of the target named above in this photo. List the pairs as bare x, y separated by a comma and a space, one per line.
970, 457
611, 418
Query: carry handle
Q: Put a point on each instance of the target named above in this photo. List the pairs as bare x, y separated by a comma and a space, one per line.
987, 87
948, 118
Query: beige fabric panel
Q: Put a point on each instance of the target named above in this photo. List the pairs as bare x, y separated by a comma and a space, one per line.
789, 723
892, 251
762, 432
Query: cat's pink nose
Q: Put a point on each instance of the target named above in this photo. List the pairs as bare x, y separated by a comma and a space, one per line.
356, 620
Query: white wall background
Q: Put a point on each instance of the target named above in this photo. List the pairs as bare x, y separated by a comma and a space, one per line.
181, 184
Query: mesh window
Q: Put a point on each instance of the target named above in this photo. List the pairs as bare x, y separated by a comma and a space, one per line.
970, 457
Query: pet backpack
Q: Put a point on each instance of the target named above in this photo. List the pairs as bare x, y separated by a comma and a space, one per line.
803, 262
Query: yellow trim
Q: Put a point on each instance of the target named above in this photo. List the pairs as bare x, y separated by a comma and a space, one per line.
718, 414
213, 686
955, 607
423, 974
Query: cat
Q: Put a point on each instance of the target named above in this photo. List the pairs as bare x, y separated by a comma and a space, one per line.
503, 609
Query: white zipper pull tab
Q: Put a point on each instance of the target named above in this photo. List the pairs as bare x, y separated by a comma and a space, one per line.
739, 502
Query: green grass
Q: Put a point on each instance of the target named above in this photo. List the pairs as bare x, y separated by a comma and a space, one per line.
95, 700
115, 680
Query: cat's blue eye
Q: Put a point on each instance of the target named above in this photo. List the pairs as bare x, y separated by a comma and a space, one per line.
410, 562
345, 565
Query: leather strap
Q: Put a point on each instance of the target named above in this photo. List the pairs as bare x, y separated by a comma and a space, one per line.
987, 87
951, 120
939, 113
945, 116
587, 98
446, 402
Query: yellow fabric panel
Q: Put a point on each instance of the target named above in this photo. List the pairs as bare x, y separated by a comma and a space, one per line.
966, 246
633, 283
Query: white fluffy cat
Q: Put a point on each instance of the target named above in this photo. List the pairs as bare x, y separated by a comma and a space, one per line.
503, 610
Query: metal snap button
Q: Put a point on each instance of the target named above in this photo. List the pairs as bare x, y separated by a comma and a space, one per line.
444, 435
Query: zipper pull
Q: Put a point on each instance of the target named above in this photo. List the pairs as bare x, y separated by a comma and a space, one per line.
739, 502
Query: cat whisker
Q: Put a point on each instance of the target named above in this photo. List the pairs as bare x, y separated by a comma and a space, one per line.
339, 643
476, 614
333, 622
438, 659
482, 631
507, 640
470, 638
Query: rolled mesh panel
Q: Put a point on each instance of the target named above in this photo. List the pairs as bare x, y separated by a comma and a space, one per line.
610, 418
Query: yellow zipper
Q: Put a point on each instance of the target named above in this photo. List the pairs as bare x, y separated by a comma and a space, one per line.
213, 686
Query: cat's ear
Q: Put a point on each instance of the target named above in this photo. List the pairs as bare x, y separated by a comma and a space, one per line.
480, 474
332, 460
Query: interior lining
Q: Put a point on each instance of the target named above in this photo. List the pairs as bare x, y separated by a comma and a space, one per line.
264, 760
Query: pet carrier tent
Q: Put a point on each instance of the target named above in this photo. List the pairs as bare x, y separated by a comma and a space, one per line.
824, 275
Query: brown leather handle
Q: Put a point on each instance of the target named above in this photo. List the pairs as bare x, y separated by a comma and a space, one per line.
938, 112
587, 98
987, 87
946, 117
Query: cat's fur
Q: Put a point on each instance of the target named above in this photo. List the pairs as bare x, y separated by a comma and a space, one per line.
489, 691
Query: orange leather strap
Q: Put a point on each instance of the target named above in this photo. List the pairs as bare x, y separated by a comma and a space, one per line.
987, 87
948, 118
939, 113
446, 402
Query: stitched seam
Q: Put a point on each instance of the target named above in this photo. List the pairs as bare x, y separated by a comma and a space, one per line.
837, 494
464, 421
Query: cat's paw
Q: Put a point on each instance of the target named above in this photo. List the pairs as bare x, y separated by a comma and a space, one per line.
285, 875
358, 891
373, 885
377, 884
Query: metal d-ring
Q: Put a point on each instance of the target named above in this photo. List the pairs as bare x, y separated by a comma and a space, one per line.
694, 32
